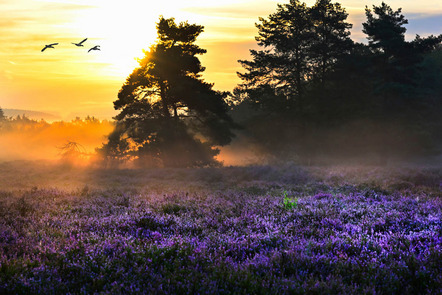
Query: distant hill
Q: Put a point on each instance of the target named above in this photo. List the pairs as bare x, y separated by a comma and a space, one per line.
31, 114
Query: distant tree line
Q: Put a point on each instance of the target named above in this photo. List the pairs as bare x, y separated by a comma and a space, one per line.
310, 91
72, 141
24, 123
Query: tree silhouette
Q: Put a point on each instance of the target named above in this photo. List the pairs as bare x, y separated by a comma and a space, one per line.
385, 29
301, 45
72, 152
168, 115
331, 37
2, 115
276, 76
395, 61
287, 79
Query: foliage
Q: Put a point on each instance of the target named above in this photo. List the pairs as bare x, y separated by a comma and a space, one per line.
395, 61
331, 41
289, 203
385, 29
168, 115
289, 79
276, 76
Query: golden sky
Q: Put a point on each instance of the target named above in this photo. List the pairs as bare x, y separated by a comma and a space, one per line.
69, 81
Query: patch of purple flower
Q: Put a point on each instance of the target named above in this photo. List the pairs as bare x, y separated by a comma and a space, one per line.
339, 239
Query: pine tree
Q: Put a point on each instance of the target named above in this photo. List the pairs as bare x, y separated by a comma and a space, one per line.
331, 37
168, 115
276, 76
395, 61
301, 46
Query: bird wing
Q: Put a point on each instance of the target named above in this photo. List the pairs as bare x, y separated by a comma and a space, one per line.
44, 49
53, 44
83, 41
89, 50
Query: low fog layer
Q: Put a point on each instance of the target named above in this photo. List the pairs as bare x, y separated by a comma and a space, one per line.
360, 142
24, 139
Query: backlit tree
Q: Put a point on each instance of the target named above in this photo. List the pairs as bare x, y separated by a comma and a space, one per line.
169, 116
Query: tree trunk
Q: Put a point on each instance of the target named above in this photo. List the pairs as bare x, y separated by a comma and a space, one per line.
163, 100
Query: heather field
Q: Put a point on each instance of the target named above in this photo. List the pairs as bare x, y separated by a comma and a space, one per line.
231, 230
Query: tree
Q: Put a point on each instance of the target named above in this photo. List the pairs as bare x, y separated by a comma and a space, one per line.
331, 43
168, 115
385, 29
2, 115
301, 46
399, 95
331, 37
386, 34
288, 79
276, 77
431, 89
395, 60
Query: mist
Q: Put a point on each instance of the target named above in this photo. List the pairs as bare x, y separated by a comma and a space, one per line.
360, 141
25, 139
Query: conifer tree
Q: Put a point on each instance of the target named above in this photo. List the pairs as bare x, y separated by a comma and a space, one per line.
276, 76
331, 37
169, 116
300, 46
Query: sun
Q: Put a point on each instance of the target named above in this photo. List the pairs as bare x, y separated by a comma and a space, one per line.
122, 29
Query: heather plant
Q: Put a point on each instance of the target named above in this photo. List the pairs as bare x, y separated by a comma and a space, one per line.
168, 232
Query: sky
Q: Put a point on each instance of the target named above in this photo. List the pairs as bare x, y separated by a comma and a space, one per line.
68, 81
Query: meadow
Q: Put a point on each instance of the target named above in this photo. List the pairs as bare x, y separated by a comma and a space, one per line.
283, 229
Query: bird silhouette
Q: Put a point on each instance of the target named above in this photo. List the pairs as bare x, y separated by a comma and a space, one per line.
96, 47
79, 44
49, 46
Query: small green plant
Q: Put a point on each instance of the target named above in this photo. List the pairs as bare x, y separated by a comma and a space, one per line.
289, 203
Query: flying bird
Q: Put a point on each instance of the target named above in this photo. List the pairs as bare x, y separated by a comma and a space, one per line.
96, 47
49, 46
79, 44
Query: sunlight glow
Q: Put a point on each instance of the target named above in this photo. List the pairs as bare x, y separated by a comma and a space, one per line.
67, 78
122, 31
